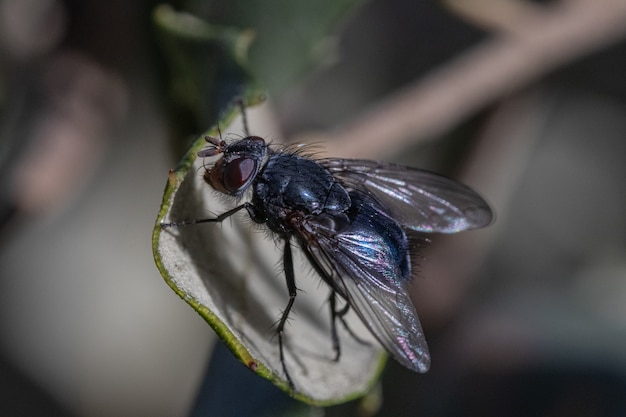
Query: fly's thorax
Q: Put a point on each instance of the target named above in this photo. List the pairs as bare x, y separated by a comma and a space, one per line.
296, 183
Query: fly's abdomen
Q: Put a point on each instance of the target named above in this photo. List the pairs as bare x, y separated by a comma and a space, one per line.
378, 240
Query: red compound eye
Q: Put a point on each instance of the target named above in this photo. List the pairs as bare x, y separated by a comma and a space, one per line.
238, 173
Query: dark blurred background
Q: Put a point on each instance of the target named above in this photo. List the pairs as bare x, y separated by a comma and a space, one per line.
93, 114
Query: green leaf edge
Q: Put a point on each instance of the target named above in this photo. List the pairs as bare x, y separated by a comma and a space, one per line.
175, 178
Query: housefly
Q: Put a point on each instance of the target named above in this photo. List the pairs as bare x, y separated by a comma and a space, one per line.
356, 222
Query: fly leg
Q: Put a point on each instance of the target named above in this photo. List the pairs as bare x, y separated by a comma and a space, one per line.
339, 315
244, 119
291, 287
217, 219
334, 315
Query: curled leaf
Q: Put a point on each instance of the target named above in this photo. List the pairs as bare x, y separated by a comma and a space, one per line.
231, 274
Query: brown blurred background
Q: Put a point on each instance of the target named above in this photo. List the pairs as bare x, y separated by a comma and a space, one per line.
525, 101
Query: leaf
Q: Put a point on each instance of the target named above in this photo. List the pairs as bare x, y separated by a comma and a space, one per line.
207, 68
215, 52
231, 274
291, 37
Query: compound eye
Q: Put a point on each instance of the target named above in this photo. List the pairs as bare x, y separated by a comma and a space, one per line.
238, 173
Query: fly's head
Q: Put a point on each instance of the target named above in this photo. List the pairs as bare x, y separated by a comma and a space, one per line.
240, 163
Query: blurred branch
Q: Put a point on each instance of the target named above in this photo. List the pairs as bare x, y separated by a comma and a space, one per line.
529, 42
500, 15
535, 43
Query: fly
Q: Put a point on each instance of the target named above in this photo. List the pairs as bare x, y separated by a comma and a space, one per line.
356, 222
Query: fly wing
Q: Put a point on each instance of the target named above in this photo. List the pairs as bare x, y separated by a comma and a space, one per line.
420, 200
357, 266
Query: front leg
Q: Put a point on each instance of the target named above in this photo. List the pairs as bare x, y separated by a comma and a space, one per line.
217, 219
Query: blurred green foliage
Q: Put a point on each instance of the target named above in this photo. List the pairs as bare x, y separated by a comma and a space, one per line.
215, 51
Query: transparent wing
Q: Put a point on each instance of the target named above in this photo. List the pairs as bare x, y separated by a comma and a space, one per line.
360, 268
420, 200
